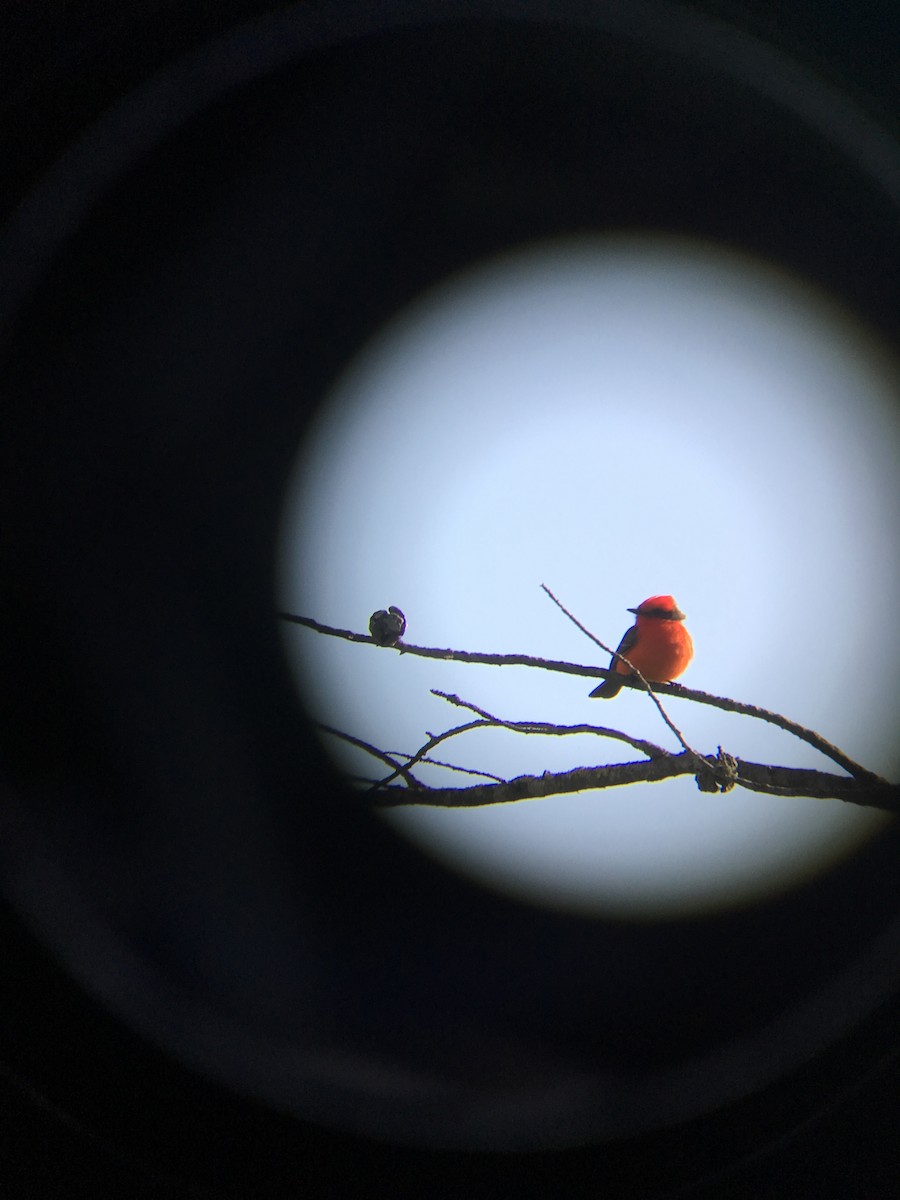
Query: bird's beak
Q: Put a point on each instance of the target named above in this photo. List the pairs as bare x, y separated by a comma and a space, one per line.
634, 610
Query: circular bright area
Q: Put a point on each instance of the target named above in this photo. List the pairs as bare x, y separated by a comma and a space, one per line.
616, 418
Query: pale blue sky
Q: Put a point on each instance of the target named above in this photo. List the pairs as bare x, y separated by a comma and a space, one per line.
614, 417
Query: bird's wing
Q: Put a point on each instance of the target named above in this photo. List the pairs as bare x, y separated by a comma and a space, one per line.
628, 640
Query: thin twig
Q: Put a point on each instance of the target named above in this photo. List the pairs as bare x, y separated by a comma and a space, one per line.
399, 770
433, 740
436, 762
547, 730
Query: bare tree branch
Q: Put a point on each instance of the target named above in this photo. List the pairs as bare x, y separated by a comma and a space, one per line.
783, 781
488, 721
589, 672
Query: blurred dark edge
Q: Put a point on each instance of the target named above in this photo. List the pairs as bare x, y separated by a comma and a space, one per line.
848, 1148
63, 61
61, 64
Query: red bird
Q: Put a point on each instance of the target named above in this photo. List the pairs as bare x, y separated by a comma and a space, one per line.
657, 645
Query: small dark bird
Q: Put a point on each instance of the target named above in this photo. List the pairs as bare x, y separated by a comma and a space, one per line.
387, 628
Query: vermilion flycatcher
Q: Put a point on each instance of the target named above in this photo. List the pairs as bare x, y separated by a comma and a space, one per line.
657, 645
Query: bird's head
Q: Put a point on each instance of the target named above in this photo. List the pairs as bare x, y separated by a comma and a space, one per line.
662, 608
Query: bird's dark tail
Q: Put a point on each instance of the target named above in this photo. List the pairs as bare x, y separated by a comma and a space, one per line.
607, 689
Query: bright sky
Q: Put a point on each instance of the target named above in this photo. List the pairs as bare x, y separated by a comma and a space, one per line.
614, 417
